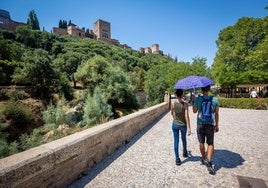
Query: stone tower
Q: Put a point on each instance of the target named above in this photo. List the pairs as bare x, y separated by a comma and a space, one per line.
155, 49
102, 30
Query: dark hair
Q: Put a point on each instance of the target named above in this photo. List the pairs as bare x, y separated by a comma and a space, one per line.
179, 92
206, 88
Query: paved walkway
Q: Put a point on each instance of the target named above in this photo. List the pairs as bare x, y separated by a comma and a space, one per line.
241, 149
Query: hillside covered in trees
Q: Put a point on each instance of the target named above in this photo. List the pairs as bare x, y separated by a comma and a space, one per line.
72, 83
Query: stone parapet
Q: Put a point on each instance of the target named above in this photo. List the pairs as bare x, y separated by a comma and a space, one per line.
58, 163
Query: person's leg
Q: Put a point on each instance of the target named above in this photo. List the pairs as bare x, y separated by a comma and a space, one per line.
175, 130
210, 141
201, 139
184, 141
210, 152
202, 150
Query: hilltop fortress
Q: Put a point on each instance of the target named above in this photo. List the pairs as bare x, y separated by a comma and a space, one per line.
7, 23
101, 31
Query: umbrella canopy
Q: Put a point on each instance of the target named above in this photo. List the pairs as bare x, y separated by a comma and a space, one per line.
192, 82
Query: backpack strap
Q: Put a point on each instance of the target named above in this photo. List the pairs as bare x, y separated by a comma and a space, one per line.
209, 99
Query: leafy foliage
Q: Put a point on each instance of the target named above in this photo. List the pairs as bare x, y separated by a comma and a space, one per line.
96, 109
242, 49
68, 64
7, 68
16, 118
110, 76
30, 140
38, 72
32, 21
17, 113
155, 84
57, 114
63, 24
114, 82
161, 78
244, 103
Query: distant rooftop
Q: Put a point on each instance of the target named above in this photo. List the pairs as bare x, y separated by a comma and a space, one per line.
4, 14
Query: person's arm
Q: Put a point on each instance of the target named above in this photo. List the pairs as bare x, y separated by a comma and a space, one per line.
195, 109
172, 109
187, 117
217, 119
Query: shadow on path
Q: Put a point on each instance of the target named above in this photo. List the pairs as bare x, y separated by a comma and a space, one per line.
190, 158
226, 159
221, 159
91, 173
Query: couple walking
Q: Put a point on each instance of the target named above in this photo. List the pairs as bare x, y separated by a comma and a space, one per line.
207, 109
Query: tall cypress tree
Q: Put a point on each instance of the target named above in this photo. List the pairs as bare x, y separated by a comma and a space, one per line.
60, 24
32, 21
70, 22
64, 24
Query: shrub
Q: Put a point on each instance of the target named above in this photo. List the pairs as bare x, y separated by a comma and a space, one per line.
56, 114
96, 109
6, 149
30, 141
6, 94
18, 113
17, 94
244, 103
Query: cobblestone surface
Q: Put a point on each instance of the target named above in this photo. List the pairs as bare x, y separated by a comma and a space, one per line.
241, 148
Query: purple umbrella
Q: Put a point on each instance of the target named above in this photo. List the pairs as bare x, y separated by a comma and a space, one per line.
192, 82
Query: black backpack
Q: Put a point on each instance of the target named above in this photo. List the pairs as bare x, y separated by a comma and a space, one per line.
207, 111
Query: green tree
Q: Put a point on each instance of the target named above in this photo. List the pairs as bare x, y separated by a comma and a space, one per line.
118, 88
6, 70
199, 67
68, 64
91, 73
5, 49
69, 23
60, 24
63, 24
18, 116
176, 71
56, 114
32, 21
37, 72
96, 109
138, 76
114, 82
155, 84
241, 48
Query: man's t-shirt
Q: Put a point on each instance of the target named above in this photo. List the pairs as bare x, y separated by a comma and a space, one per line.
198, 102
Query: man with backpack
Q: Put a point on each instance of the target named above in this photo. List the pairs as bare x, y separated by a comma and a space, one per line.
207, 123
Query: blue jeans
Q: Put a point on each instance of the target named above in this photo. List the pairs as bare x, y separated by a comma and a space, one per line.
176, 133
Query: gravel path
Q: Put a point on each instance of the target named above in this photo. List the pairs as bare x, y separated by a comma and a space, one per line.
241, 149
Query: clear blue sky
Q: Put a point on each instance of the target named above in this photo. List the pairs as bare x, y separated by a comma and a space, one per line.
183, 28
